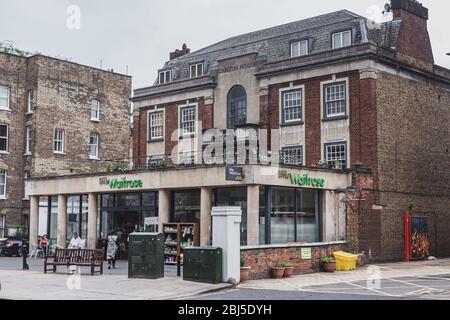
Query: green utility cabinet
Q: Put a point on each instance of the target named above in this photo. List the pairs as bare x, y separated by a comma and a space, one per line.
202, 264
146, 255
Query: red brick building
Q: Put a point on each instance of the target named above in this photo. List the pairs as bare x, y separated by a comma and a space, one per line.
336, 88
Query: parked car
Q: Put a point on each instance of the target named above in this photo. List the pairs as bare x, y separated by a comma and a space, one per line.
2, 243
11, 247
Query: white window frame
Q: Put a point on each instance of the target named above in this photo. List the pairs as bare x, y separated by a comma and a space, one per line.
287, 149
6, 138
181, 109
97, 103
299, 47
151, 138
333, 144
281, 104
61, 141
30, 101
196, 67
326, 102
93, 156
29, 140
341, 39
2, 225
3, 187
8, 98
323, 110
164, 73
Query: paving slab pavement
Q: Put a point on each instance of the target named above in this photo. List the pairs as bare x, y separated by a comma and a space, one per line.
425, 279
113, 285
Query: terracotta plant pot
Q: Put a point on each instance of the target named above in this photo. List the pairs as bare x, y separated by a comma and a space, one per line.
244, 273
288, 272
277, 273
329, 266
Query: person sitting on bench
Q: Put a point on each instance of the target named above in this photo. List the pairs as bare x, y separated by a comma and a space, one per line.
75, 242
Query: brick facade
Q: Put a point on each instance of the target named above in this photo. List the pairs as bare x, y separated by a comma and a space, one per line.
398, 127
261, 260
62, 94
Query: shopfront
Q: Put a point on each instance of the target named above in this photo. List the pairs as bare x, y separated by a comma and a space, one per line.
278, 206
290, 215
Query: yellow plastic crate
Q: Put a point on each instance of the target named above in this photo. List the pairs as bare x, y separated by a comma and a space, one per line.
345, 261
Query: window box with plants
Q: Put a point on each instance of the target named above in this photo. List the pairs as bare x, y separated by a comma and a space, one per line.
245, 270
328, 264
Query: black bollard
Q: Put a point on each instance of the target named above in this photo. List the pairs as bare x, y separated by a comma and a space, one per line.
179, 266
24, 256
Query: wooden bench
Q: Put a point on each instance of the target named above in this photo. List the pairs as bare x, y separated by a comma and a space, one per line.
75, 257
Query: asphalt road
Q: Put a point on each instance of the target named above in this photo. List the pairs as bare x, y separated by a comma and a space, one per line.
434, 287
262, 295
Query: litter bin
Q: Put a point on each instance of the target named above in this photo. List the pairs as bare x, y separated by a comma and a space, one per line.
345, 261
146, 255
202, 264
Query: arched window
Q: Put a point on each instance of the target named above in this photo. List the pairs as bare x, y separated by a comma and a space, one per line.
236, 107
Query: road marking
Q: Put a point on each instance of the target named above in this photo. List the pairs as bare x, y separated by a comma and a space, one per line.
374, 290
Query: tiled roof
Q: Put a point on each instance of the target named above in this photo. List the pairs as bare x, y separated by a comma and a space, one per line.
273, 44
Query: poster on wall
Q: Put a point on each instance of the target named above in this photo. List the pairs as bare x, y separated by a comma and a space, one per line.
420, 244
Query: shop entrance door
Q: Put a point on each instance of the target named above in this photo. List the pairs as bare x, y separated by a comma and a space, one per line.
125, 222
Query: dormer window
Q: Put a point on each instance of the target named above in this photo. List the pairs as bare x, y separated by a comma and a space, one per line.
299, 48
165, 76
342, 39
196, 70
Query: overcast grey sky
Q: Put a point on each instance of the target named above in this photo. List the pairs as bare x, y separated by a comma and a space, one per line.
141, 33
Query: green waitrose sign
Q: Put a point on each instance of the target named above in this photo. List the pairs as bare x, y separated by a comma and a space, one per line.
302, 180
124, 183
305, 181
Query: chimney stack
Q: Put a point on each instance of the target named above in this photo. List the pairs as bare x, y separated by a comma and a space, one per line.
414, 43
178, 53
399, 7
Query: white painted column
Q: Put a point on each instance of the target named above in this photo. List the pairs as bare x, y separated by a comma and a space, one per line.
163, 208
92, 221
62, 221
34, 218
253, 215
205, 216
226, 235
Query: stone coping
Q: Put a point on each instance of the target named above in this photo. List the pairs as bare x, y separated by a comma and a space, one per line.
284, 246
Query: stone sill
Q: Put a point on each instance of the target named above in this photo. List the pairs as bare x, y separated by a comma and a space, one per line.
284, 246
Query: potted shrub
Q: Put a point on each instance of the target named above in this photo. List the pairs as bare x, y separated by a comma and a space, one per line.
328, 264
244, 270
323, 164
288, 269
277, 271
